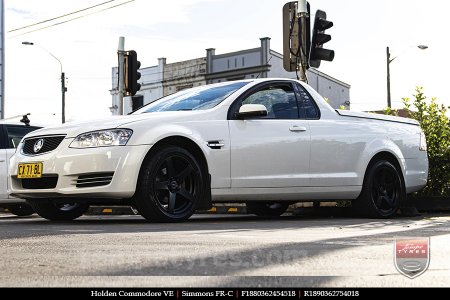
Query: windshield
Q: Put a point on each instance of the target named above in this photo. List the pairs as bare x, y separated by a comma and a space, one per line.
199, 98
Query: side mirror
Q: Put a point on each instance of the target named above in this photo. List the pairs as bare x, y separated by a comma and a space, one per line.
248, 111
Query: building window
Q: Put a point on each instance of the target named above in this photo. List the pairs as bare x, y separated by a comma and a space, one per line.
228, 63
235, 62
243, 61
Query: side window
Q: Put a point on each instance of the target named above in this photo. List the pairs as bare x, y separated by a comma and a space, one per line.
308, 108
279, 100
16, 133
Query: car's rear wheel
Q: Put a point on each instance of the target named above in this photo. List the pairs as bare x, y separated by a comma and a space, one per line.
267, 209
170, 186
382, 192
56, 211
21, 209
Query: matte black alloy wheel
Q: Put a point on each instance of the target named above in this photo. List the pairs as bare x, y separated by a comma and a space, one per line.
386, 190
382, 192
170, 185
176, 185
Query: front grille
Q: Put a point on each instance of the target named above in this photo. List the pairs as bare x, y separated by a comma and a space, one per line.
94, 179
47, 182
49, 143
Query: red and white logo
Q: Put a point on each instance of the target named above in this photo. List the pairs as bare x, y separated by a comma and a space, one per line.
412, 255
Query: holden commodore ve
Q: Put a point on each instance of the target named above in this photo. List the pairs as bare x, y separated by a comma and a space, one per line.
267, 142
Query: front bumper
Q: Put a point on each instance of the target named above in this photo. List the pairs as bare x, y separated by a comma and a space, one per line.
65, 167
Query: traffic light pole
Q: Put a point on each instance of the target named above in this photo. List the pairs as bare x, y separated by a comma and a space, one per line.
303, 58
121, 71
302, 12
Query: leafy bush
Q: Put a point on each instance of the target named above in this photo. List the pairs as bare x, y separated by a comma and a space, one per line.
435, 124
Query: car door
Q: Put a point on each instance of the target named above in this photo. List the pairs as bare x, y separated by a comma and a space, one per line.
335, 146
271, 151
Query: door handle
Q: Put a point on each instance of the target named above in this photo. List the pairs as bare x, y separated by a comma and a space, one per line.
297, 128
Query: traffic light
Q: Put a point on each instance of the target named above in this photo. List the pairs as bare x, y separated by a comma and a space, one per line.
292, 36
318, 53
132, 74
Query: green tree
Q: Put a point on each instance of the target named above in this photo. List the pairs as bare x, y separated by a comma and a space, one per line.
434, 122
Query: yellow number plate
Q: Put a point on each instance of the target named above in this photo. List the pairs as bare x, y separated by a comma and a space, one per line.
33, 170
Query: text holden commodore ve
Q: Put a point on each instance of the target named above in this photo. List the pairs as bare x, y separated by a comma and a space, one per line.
267, 142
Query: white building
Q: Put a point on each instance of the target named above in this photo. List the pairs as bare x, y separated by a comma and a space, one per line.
261, 62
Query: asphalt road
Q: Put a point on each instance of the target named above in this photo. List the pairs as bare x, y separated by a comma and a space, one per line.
216, 251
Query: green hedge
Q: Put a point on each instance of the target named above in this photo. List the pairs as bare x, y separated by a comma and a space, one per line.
434, 122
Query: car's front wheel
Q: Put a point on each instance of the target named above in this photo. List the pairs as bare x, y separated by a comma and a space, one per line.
170, 186
21, 209
56, 211
267, 209
382, 192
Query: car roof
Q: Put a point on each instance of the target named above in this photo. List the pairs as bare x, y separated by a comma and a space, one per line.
11, 122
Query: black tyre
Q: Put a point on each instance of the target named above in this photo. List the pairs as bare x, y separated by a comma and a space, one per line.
170, 185
267, 209
21, 209
383, 191
51, 210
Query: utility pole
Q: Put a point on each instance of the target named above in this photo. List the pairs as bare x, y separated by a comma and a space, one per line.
388, 61
303, 17
121, 70
2, 59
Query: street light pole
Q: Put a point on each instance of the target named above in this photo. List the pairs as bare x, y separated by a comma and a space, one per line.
63, 100
388, 62
63, 81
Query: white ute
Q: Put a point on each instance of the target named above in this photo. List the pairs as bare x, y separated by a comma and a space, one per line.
267, 142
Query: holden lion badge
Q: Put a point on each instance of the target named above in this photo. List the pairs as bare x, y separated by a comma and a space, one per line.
412, 255
38, 145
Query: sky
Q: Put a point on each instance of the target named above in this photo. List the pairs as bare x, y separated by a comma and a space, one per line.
183, 29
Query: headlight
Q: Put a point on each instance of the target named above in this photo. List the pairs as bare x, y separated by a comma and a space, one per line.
102, 138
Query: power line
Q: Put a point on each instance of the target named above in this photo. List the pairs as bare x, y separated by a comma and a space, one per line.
66, 21
62, 16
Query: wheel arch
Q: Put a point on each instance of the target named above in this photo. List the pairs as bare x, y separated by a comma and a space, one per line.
364, 203
191, 146
381, 148
390, 157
